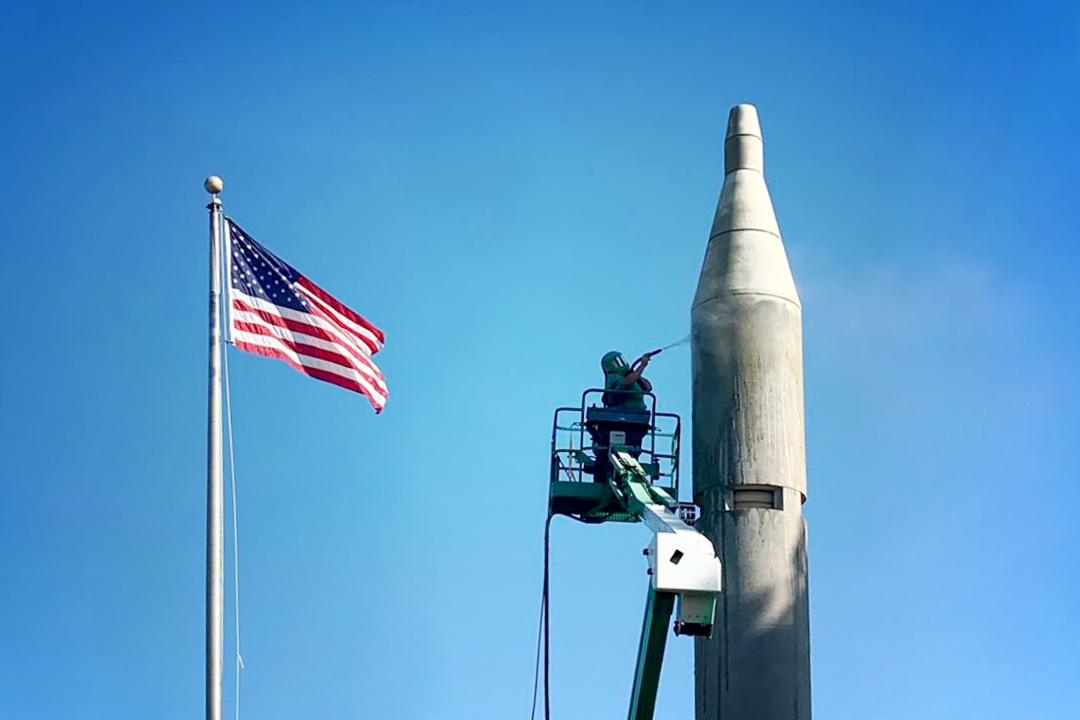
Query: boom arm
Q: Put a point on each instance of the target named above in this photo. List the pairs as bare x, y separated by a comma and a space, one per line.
685, 575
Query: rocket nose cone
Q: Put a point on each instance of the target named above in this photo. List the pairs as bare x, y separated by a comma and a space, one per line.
743, 120
744, 148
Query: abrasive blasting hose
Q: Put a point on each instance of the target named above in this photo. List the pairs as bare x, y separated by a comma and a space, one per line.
547, 617
543, 634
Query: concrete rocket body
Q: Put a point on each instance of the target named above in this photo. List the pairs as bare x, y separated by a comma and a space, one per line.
749, 450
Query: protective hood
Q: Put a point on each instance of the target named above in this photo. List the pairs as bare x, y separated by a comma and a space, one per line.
614, 363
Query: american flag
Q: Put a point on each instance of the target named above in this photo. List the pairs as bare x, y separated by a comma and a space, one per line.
277, 312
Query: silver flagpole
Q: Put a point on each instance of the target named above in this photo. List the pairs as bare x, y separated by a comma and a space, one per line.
215, 495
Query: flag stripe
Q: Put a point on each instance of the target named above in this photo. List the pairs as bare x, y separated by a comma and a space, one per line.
308, 318
243, 311
309, 371
330, 300
323, 309
307, 363
310, 361
334, 327
306, 344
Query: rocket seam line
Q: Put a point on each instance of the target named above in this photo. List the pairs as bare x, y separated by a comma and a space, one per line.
750, 292
725, 232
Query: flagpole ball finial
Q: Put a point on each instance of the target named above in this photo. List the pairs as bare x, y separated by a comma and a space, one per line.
214, 185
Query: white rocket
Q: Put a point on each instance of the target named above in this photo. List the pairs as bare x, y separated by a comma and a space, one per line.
749, 450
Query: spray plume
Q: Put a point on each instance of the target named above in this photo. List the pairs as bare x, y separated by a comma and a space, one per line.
666, 347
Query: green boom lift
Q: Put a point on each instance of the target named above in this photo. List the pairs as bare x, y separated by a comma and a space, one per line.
612, 464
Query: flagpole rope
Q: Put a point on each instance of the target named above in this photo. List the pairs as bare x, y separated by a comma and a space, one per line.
239, 665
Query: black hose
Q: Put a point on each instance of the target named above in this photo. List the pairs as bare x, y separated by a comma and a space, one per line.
543, 633
547, 618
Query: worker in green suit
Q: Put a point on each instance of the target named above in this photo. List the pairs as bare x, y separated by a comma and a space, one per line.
626, 380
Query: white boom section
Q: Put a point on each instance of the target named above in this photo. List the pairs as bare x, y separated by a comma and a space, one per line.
683, 561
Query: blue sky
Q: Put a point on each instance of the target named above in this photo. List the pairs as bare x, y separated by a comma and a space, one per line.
510, 191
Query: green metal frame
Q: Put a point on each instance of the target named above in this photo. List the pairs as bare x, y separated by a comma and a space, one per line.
621, 499
574, 493
624, 499
650, 657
